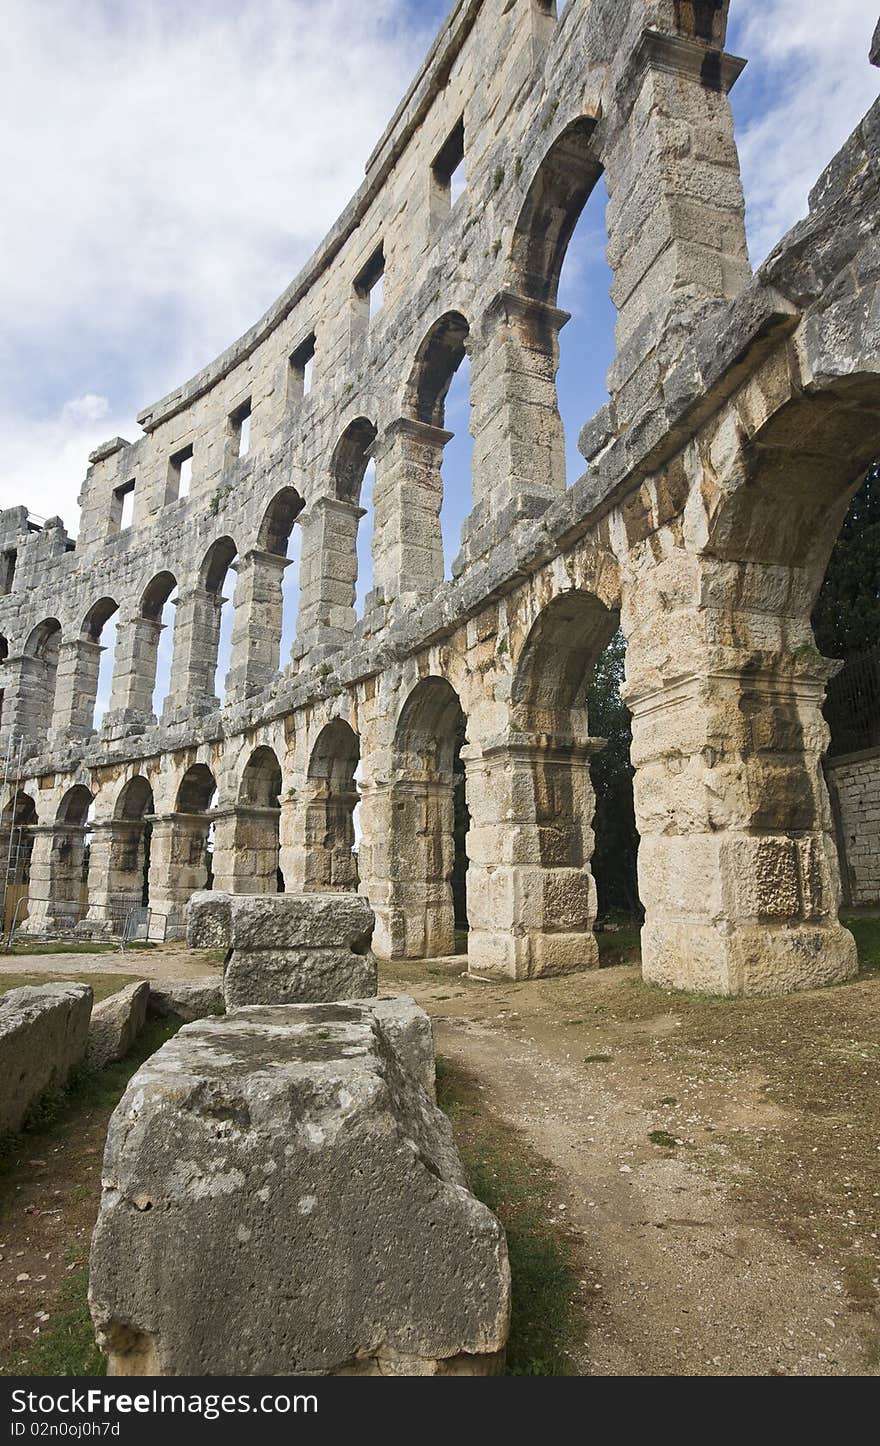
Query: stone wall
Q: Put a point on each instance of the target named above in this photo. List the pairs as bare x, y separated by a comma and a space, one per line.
43, 1035
743, 412
855, 783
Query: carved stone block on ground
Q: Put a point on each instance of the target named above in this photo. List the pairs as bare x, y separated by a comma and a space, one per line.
43, 1033
281, 1196
287, 948
116, 1023
186, 999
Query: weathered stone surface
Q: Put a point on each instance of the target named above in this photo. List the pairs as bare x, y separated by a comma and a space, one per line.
297, 976
281, 1196
186, 999
280, 921
43, 1034
116, 1023
408, 1028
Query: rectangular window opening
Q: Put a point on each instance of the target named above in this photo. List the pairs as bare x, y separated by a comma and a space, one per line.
301, 368
240, 430
449, 172
370, 284
7, 570
179, 474
124, 497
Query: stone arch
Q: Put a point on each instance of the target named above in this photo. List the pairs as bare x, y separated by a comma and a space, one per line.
41, 650
351, 456
332, 796
157, 598
196, 790
214, 570
278, 521
552, 672
18, 823
125, 844
248, 833
330, 569
415, 906
91, 672
75, 805
437, 360
181, 854
69, 861
554, 200
265, 605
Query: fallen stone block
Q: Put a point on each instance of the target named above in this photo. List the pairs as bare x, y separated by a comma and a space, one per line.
186, 999
43, 1034
287, 948
281, 1196
116, 1023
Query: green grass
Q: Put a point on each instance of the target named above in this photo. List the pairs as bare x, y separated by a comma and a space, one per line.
68, 1348
57, 946
619, 946
102, 984
519, 1186
865, 929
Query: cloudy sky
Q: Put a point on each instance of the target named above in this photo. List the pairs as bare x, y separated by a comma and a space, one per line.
167, 169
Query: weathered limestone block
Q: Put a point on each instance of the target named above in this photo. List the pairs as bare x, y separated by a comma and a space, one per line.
287, 948
281, 1196
116, 1023
186, 999
43, 1033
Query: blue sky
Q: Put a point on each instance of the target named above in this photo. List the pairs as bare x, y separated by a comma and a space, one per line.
167, 170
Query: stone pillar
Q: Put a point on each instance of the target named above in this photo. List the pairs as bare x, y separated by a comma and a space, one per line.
116, 868
328, 575
406, 858
531, 898
178, 861
256, 623
738, 869
408, 492
76, 688
194, 660
134, 671
28, 696
675, 217
519, 440
246, 849
41, 890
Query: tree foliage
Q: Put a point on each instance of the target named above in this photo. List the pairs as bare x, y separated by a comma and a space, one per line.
846, 618
617, 840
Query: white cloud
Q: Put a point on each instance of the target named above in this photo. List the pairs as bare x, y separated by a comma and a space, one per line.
167, 170
807, 85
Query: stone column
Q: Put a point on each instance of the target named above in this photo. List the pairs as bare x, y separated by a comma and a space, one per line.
328, 575
76, 688
28, 696
531, 898
178, 861
256, 622
408, 493
246, 849
41, 887
134, 672
738, 868
406, 857
194, 659
519, 440
116, 867
675, 217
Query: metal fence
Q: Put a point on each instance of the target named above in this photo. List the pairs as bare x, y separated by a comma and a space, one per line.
852, 706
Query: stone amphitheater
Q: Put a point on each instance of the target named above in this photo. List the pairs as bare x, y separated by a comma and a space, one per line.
744, 409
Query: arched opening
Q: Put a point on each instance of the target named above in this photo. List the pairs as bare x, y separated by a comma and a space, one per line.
4, 654
558, 266
533, 894
217, 642
441, 379
273, 625
193, 835
42, 648
425, 842
70, 859
154, 659
846, 625
346, 560
94, 669
131, 843
331, 861
256, 840
17, 822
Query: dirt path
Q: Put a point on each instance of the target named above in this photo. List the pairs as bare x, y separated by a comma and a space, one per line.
168, 962
742, 1237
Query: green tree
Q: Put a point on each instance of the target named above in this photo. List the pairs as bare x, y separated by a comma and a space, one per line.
617, 839
846, 618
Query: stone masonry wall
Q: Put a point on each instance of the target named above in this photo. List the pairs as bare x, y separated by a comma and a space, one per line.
856, 783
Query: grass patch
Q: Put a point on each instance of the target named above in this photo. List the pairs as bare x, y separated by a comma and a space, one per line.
597, 1058
79, 947
619, 946
102, 984
87, 1089
865, 929
662, 1137
520, 1187
67, 1347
